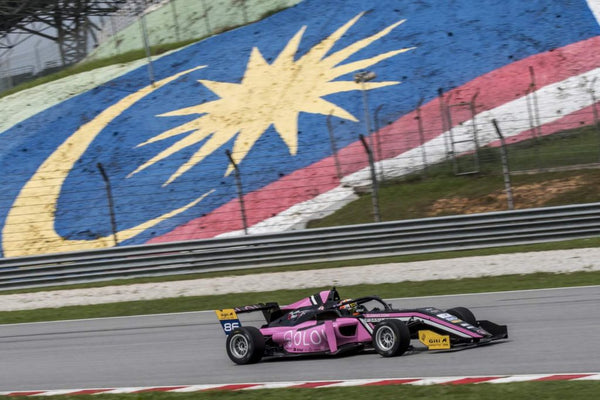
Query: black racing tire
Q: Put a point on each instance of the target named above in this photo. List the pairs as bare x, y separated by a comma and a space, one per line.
245, 345
463, 313
391, 338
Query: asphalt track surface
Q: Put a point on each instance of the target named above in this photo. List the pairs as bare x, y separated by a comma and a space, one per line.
552, 330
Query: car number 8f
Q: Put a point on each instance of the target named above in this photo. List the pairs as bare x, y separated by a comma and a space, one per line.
229, 326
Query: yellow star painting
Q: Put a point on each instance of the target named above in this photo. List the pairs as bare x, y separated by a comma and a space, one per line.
271, 94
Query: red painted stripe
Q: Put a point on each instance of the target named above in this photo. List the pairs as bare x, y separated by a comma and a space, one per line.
386, 382
234, 387
159, 389
562, 377
314, 384
25, 393
466, 381
495, 88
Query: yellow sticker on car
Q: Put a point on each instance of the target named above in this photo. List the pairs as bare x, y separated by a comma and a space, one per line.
434, 341
228, 319
228, 313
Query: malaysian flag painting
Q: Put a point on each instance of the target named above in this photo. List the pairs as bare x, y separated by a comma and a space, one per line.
284, 101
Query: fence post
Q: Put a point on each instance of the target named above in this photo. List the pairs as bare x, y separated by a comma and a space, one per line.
3, 77
505, 167
595, 111
421, 136
175, 20
38, 58
443, 119
338, 169
9, 77
205, 15
378, 151
113, 37
534, 114
111, 207
375, 194
147, 46
238, 183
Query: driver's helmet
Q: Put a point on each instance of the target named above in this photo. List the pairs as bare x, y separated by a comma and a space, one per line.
347, 305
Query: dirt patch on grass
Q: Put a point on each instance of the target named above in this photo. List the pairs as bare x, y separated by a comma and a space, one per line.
524, 196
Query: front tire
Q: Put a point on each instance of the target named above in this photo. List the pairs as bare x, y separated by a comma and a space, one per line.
245, 345
463, 313
391, 338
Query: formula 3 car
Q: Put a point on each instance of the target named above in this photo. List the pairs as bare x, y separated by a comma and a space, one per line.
325, 324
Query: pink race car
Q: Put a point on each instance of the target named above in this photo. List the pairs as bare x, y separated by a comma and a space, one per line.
325, 324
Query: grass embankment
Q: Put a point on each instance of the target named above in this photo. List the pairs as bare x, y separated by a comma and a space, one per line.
512, 391
441, 192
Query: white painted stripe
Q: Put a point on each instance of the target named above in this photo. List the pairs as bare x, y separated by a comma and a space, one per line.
434, 381
355, 382
510, 117
274, 385
195, 388
594, 377
126, 390
595, 7
518, 378
57, 392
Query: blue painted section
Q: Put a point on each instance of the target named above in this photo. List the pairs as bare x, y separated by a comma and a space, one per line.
456, 42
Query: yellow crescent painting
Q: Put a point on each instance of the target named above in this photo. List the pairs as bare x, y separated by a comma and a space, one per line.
269, 95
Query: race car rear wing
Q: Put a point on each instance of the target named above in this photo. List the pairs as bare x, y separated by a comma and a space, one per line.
229, 319
256, 307
270, 310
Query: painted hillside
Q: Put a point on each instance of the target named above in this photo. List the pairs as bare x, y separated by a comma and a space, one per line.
272, 93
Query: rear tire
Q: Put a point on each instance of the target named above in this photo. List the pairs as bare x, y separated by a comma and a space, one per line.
391, 338
245, 345
463, 313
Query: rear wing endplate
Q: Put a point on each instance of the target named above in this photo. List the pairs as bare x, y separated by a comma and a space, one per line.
229, 319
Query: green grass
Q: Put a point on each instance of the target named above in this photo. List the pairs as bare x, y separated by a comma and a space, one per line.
387, 290
562, 390
416, 198
418, 195
574, 146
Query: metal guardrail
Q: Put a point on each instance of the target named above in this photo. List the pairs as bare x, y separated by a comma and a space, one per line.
306, 246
